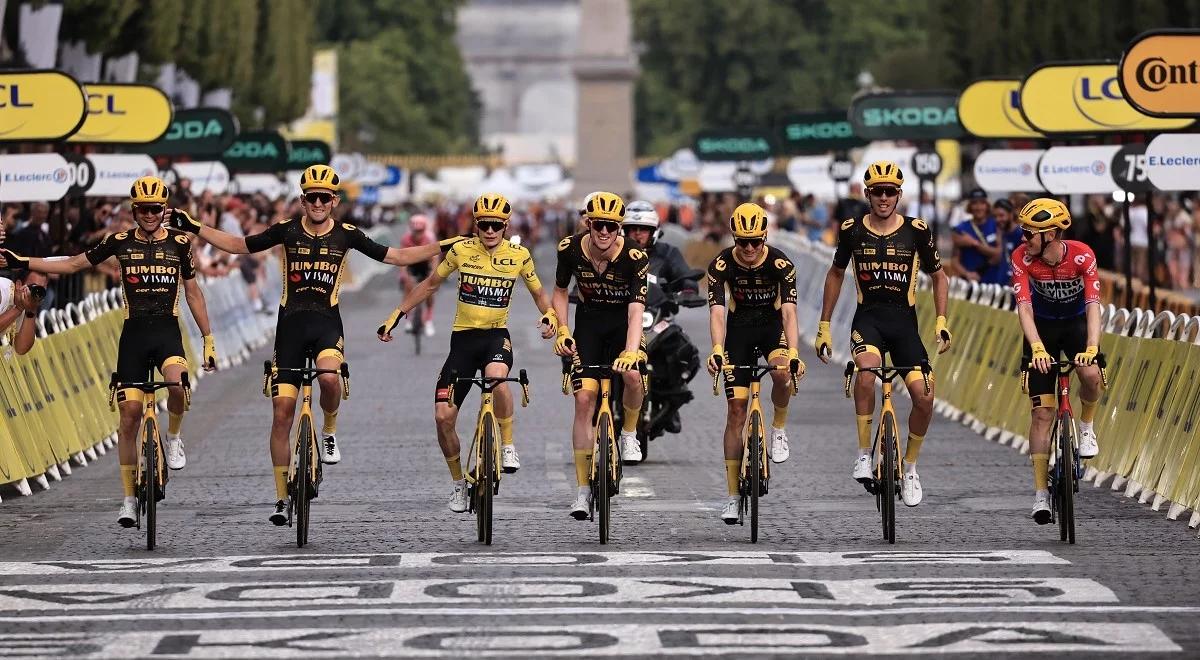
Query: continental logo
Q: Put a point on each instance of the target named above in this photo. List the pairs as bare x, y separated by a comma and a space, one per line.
1160, 75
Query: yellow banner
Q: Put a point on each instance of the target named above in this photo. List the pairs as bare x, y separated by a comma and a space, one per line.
39, 105
992, 109
1084, 98
124, 114
1158, 73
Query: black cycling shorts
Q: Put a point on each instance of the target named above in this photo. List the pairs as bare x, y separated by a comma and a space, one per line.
744, 344
146, 344
599, 339
888, 329
470, 352
300, 335
1062, 337
419, 271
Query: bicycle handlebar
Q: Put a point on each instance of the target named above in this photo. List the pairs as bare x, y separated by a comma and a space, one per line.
149, 387
307, 374
484, 382
572, 364
887, 373
1065, 367
757, 371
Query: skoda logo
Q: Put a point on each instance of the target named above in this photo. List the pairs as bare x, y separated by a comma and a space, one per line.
1098, 167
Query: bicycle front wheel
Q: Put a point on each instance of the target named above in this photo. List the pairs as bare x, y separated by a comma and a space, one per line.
604, 484
150, 480
484, 483
887, 489
1065, 469
755, 472
305, 441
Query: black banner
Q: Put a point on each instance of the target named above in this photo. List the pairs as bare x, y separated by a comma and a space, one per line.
906, 116
198, 133
305, 153
734, 144
817, 132
259, 151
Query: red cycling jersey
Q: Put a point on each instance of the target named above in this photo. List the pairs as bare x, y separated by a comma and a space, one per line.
1060, 291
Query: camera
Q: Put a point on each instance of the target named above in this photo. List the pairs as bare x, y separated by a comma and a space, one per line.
37, 291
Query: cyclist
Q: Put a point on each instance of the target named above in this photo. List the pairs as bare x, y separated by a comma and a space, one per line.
314, 259
887, 249
611, 276
1058, 304
410, 276
488, 268
155, 262
757, 284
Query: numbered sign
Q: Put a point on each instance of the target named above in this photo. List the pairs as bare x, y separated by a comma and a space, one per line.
1129, 169
927, 164
80, 172
841, 169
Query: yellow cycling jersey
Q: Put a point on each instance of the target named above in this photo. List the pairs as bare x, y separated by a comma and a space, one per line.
486, 280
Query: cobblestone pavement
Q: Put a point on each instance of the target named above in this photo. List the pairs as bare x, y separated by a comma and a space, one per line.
389, 571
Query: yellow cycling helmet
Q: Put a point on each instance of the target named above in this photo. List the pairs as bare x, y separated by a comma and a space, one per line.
492, 205
748, 221
321, 177
148, 190
1044, 214
604, 206
883, 171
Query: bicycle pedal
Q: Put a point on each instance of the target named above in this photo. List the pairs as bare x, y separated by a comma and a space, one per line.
870, 486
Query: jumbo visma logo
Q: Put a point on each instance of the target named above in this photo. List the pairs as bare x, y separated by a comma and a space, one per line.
312, 272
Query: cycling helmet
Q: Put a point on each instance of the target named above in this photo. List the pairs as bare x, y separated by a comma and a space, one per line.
1044, 214
883, 171
641, 214
748, 221
492, 205
148, 190
320, 177
604, 206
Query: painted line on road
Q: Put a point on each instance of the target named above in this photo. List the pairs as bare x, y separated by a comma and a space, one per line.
342, 562
636, 487
609, 640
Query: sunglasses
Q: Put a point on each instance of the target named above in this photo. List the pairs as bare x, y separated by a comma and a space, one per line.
1030, 234
884, 191
490, 225
606, 226
318, 197
749, 242
152, 209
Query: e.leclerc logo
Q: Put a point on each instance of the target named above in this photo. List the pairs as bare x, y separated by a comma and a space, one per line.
1172, 161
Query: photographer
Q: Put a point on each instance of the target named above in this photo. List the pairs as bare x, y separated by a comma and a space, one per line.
19, 304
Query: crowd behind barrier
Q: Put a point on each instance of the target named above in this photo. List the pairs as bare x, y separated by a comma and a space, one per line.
54, 406
1148, 415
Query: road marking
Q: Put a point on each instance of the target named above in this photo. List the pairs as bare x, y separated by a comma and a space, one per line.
636, 487
567, 590
609, 640
343, 562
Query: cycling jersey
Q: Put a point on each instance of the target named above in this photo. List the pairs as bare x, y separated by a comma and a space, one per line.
885, 266
151, 269
1060, 291
621, 283
753, 293
313, 264
486, 280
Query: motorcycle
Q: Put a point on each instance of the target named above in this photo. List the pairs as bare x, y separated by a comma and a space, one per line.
673, 359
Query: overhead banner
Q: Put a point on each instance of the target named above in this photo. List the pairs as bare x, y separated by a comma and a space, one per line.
115, 173
906, 116
1158, 73
124, 114
306, 153
212, 176
1009, 170
1078, 170
991, 108
196, 132
1084, 98
34, 177
259, 151
817, 132
40, 105
733, 145
1172, 161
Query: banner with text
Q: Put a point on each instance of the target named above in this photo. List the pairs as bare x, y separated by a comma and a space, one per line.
906, 116
115, 173
1158, 73
817, 132
34, 177
1070, 97
124, 114
196, 132
991, 108
1173, 161
733, 145
1009, 170
1078, 170
40, 105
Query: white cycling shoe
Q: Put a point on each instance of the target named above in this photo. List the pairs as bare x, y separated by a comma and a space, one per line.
330, 454
279, 517
1088, 447
1041, 507
729, 513
176, 459
509, 460
864, 470
582, 506
631, 447
128, 515
458, 498
779, 446
910, 489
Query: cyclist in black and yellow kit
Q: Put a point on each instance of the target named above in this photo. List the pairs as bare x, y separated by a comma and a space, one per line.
887, 249
156, 262
611, 275
488, 269
315, 248
756, 283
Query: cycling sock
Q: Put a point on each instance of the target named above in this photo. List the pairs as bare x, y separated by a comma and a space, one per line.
128, 477
733, 470
173, 423
281, 482
1041, 471
913, 449
330, 427
505, 424
630, 419
779, 420
1087, 410
583, 467
455, 465
864, 431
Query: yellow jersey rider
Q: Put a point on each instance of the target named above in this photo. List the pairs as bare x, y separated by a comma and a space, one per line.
488, 269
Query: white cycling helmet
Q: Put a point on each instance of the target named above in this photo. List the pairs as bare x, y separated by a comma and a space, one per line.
640, 214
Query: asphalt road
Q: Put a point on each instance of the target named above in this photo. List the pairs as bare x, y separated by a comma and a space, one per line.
390, 571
